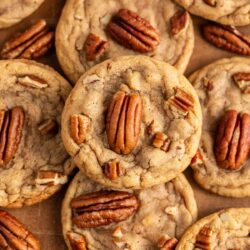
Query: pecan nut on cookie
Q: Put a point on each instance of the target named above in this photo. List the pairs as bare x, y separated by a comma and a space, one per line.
33, 161
132, 122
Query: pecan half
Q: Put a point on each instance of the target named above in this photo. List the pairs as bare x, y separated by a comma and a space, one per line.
31, 44
161, 141
123, 122
178, 22
133, 32
32, 81
113, 169
242, 80
94, 47
11, 126
212, 3
203, 239
103, 208
80, 125
14, 236
228, 38
167, 244
232, 141
50, 178
49, 126
77, 241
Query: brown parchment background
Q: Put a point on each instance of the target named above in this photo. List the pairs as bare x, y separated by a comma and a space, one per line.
44, 219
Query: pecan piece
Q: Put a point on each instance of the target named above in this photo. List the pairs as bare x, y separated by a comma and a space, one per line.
232, 140
94, 47
113, 169
49, 126
203, 239
212, 3
228, 38
103, 208
133, 32
14, 236
50, 178
123, 122
161, 141
32, 81
178, 22
242, 80
80, 125
167, 244
77, 241
11, 126
197, 159
31, 44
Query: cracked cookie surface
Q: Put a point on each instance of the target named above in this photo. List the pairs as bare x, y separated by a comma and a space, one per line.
83, 17
225, 230
13, 11
222, 90
169, 127
38, 164
229, 12
165, 211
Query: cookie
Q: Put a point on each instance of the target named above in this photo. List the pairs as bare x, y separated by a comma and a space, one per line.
90, 31
228, 12
138, 220
132, 122
222, 164
225, 230
13, 11
33, 161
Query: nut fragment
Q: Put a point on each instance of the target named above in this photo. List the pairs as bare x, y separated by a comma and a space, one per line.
94, 47
203, 239
242, 80
77, 241
113, 169
232, 141
32, 81
11, 126
123, 122
80, 125
212, 3
228, 38
161, 141
14, 236
50, 178
178, 22
133, 32
197, 159
165, 243
103, 208
31, 44
49, 126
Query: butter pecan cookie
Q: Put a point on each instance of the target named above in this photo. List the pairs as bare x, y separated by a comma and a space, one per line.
90, 31
222, 164
94, 217
225, 230
132, 122
229, 12
33, 161
13, 11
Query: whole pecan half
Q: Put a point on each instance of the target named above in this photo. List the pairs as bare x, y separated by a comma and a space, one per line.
167, 244
123, 122
31, 44
94, 47
14, 236
11, 126
113, 169
77, 241
203, 239
242, 80
212, 3
133, 32
228, 38
178, 22
232, 141
103, 208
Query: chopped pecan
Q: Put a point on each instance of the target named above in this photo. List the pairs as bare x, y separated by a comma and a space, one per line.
31, 44
32, 81
133, 32
103, 208
113, 169
197, 159
123, 122
228, 38
80, 125
11, 126
208, 84
50, 178
14, 236
94, 47
77, 241
242, 79
203, 239
212, 3
167, 243
161, 141
232, 141
49, 126
178, 22
117, 233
